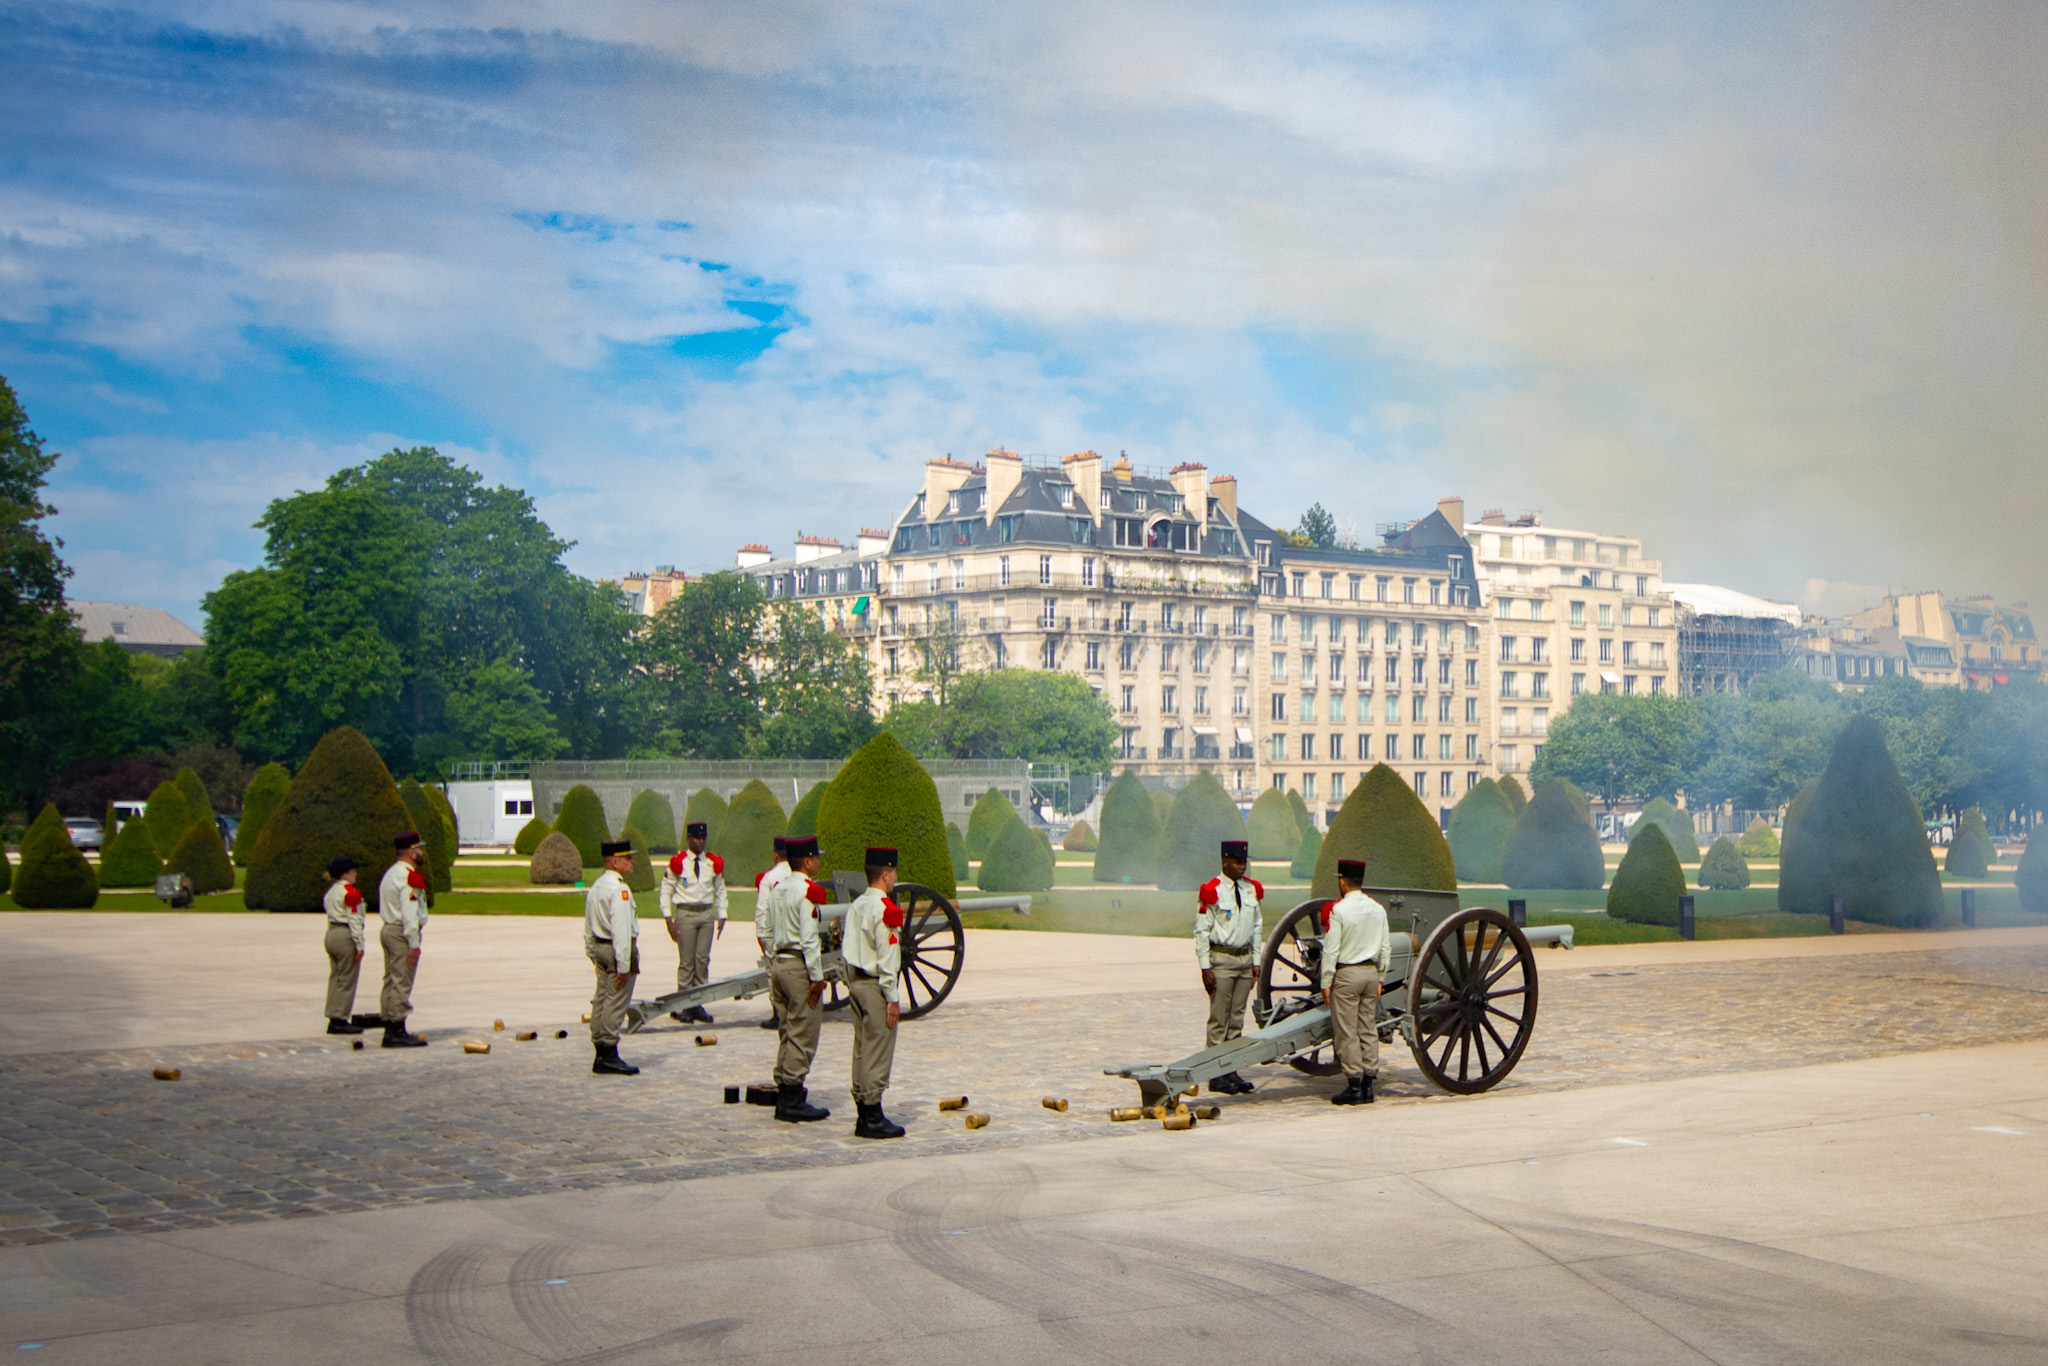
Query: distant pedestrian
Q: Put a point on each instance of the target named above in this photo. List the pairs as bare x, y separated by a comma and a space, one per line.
873, 961
402, 905
1228, 934
1356, 950
344, 906
611, 940
693, 907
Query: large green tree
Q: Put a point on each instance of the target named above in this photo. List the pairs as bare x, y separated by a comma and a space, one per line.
816, 690
1037, 715
1620, 746
703, 697
39, 639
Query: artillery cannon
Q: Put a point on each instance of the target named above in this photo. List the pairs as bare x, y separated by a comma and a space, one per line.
932, 940
1460, 988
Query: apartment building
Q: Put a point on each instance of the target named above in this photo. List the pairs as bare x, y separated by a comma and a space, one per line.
1988, 645
649, 593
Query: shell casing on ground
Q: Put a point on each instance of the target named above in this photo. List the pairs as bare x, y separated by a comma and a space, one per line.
1054, 1103
952, 1102
706, 1040
526, 1036
472, 1046
1180, 1119
1123, 1113
166, 1074
976, 1119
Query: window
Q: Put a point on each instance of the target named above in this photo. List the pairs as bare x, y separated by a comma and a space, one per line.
1443, 707
1420, 634
1628, 685
1276, 628
1356, 580
1365, 671
1337, 787
896, 579
1130, 698
1045, 569
1308, 748
1279, 752
1503, 608
1088, 571
1201, 659
1508, 683
1336, 747
1127, 655
1541, 724
1471, 711
1643, 587
1382, 587
1049, 654
1123, 617
1628, 615
1308, 786
1240, 659
1128, 532
1393, 669
1606, 616
1265, 549
1201, 701
1539, 685
1365, 709
1443, 751
1279, 708
1094, 654
892, 662
1002, 653
1510, 721
1606, 652
1308, 630
1436, 592
1415, 706
1329, 585
1308, 706
1578, 684
1169, 698
1416, 667
1407, 590
1471, 673
1656, 654
1415, 743
1007, 527
1393, 747
1392, 709
1169, 654
1539, 610
1166, 622
1507, 649
1578, 649
1539, 649
1201, 619
1656, 684
1606, 685
1279, 667
1393, 636
1335, 710
1443, 673
1444, 782
1237, 620
1628, 654
1300, 584
959, 574
1471, 751
1337, 670
1238, 705
1003, 570
1048, 613
1508, 758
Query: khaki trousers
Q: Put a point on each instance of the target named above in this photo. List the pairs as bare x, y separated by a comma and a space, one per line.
608, 1004
1234, 978
789, 990
342, 971
695, 929
396, 1002
874, 1043
1354, 1018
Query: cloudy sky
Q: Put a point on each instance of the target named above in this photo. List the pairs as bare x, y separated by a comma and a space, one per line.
1765, 285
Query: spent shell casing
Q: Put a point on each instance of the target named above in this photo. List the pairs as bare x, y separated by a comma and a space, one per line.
1054, 1103
498, 1025
732, 1095
706, 1040
1208, 1111
1177, 1121
561, 1033
952, 1102
976, 1119
166, 1074
1126, 1112
526, 1036
582, 1019
1192, 1091
473, 1046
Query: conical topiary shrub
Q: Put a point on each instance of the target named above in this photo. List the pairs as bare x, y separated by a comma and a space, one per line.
259, 799
1019, 860
2031, 881
342, 801
582, 820
203, 858
1302, 819
1204, 815
1970, 853
1553, 844
167, 815
435, 837
1384, 823
654, 816
1723, 869
1129, 847
446, 811
529, 837
1677, 828
1162, 807
956, 846
1649, 881
1272, 827
747, 838
1860, 837
706, 806
129, 859
1079, 839
883, 796
803, 817
1800, 861
1480, 825
53, 875
555, 862
643, 878
992, 813
1512, 789
1306, 853
6, 871
198, 801
1758, 841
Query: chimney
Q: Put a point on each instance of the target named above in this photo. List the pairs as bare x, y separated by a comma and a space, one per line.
1453, 509
1493, 517
753, 555
1191, 481
1224, 486
810, 548
1122, 468
1005, 472
941, 477
1085, 469
871, 541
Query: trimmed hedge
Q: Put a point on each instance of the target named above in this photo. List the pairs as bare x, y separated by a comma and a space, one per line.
1799, 860
706, 806
1162, 807
643, 878
1302, 819
130, 860
1553, 844
435, 837
1677, 828
555, 863
956, 847
1128, 850
748, 836
1724, 869
1204, 815
1274, 830
1020, 860
203, 858
803, 817
652, 814
582, 819
6, 870
446, 811
1758, 841
2031, 881
529, 837
1080, 838
53, 875
1860, 837
883, 796
1970, 853
198, 801
1385, 824
342, 801
1306, 853
1649, 881
1480, 825
259, 799
991, 815
167, 815
1517, 795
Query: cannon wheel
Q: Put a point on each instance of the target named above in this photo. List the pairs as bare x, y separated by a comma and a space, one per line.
1472, 1001
934, 945
1289, 969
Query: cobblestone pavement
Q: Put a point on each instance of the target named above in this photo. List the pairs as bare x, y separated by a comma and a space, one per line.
91, 1145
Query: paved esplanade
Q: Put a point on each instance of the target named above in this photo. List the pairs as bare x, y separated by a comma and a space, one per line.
1830, 1156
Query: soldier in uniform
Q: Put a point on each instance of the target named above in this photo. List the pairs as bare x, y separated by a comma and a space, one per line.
1227, 939
693, 905
796, 981
611, 940
402, 905
1356, 950
344, 905
873, 961
764, 883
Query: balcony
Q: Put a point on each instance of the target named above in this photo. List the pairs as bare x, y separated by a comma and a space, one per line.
1095, 623
1131, 752
1173, 751
1241, 752
993, 625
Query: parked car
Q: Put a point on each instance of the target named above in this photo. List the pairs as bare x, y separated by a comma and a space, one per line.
85, 832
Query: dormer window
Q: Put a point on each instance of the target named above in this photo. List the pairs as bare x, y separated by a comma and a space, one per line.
1139, 498
1265, 552
1066, 495
953, 501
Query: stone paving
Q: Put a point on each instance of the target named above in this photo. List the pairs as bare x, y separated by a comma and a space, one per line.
91, 1145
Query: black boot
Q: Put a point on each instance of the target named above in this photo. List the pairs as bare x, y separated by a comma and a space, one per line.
608, 1063
395, 1036
793, 1106
874, 1124
1354, 1093
703, 1015
343, 1027
1365, 1090
771, 1022
1230, 1084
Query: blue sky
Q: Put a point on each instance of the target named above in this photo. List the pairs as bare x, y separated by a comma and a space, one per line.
1765, 287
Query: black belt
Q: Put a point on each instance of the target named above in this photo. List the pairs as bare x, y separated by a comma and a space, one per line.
1215, 949
863, 972
789, 953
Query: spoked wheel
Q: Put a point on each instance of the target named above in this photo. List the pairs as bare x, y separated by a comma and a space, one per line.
934, 946
1472, 998
1290, 970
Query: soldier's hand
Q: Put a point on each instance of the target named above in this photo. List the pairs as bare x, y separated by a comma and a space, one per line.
619, 980
816, 993
674, 935
895, 1014
412, 958
359, 957
1326, 1000
719, 933
1209, 980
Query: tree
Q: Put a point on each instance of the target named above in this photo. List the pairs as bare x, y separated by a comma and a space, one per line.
6, 870
53, 875
1723, 869
956, 848
643, 878
1618, 745
709, 808
1129, 850
1317, 528
341, 801
1861, 838
817, 692
1020, 860
202, 857
555, 862
1478, 836
129, 858
583, 820
261, 797
941, 656
167, 814
1162, 803
435, 837
746, 838
1302, 819
1758, 748
1758, 840
1649, 882
530, 835
1306, 853
698, 652
1514, 792
1553, 844
2031, 880
1386, 825
198, 801
1970, 853
1801, 861
1079, 839
1036, 715
652, 814
991, 813
803, 819
1204, 815
39, 638
883, 797
1677, 828
439, 801
1274, 832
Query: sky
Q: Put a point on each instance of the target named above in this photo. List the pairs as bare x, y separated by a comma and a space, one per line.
1764, 285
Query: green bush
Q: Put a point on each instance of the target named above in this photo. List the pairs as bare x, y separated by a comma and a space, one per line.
1020, 860
1677, 828
1162, 807
1480, 824
53, 875
198, 802
203, 858
1204, 815
653, 816
582, 819
1649, 881
435, 837
803, 818
6, 871
1518, 797
883, 796
1800, 861
1385, 824
2031, 881
529, 837
555, 862
1553, 844
1129, 848
1079, 839
1302, 819
956, 846
1860, 837
1306, 853
129, 859
1970, 853
1723, 869
991, 815
706, 806
643, 878
747, 838
1274, 830
167, 815
259, 799
342, 801
446, 811
1758, 841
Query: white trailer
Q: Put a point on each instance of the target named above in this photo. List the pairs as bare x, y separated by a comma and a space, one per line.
491, 811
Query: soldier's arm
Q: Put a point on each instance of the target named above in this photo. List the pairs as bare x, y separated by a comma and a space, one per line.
888, 952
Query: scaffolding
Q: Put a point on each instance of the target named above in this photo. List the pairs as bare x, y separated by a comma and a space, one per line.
1727, 654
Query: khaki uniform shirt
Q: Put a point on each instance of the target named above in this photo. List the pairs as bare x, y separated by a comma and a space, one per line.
1355, 931
692, 883
402, 901
793, 920
1227, 917
873, 923
764, 885
345, 907
609, 915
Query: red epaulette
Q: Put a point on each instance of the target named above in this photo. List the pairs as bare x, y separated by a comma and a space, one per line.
415, 879
1259, 888
1206, 896
717, 864
351, 898
1327, 905
675, 867
892, 916
816, 895
757, 879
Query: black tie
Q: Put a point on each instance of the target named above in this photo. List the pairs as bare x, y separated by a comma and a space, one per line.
700, 866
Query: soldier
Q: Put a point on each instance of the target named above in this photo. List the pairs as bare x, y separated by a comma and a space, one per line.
611, 940
796, 982
402, 905
873, 960
693, 905
344, 944
1356, 950
764, 883
1227, 939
